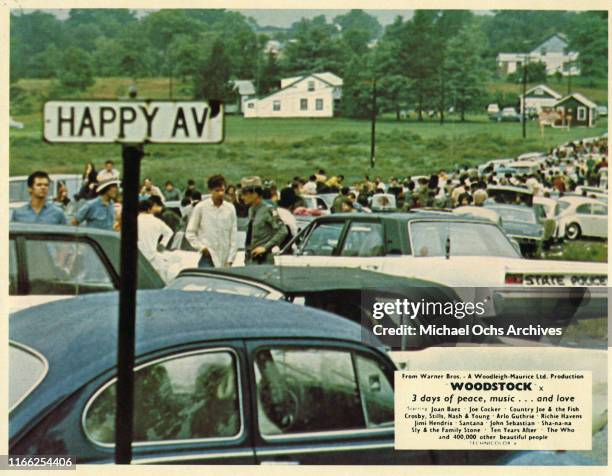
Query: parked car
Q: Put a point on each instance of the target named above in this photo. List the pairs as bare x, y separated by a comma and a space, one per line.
460, 252
348, 292
51, 262
185, 256
493, 165
492, 109
592, 192
507, 114
316, 203
523, 225
219, 379
580, 216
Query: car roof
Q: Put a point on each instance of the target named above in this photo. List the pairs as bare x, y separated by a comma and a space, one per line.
311, 279
41, 229
78, 336
51, 176
508, 188
508, 206
580, 200
399, 216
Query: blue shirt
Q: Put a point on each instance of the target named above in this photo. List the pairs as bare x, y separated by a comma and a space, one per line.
49, 215
97, 214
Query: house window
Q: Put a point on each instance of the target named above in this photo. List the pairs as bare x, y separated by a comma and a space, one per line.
251, 105
311, 85
582, 113
319, 104
276, 106
303, 104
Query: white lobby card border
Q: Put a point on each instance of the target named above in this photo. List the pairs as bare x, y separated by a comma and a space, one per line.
7, 5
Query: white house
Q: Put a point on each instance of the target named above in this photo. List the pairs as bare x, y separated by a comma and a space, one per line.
552, 52
313, 95
245, 90
540, 97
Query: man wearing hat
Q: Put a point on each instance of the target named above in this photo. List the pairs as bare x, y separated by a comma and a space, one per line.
265, 230
100, 212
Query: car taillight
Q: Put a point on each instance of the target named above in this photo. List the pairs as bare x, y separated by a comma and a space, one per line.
514, 279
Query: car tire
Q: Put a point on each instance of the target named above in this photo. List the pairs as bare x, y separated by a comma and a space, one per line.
573, 231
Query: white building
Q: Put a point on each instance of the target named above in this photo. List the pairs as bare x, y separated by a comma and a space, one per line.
540, 97
245, 90
552, 52
313, 95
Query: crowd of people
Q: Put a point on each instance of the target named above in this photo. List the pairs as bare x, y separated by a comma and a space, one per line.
210, 221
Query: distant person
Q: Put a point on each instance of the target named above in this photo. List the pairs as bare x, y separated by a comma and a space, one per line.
108, 172
153, 232
38, 210
170, 192
90, 182
212, 227
265, 230
191, 187
150, 190
310, 187
100, 212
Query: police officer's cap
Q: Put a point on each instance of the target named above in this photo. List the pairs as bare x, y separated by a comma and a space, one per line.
251, 184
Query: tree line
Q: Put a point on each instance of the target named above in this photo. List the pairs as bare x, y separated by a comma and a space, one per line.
434, 61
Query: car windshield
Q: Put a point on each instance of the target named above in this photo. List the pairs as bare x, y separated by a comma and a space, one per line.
430, 238
219, 285
26, 370
523, 215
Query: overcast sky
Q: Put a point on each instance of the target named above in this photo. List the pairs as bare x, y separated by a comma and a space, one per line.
284, 18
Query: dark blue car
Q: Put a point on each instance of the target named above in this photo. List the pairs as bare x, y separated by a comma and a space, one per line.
219, 379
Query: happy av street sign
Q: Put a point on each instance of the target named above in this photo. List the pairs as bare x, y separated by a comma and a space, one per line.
181, 122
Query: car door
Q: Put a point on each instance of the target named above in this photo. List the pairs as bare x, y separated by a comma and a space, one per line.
585, 219
363, 245
52, 267
319, 243
600, 220
190, 407
323, 403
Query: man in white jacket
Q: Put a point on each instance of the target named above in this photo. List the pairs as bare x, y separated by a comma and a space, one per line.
212, 227
151, 233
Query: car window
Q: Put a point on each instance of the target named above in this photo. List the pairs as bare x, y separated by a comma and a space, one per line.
306, 390
18, 191
376, 392
599, 209
188, 397
584, 209
220, 285
364, 239
431, 238
518, 214
65, 267
562, 206
323, 240
13, 270
27, 369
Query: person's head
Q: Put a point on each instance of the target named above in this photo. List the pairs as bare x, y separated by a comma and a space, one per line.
38, 184
288, 198
321, 172
157, 205
480, 196
464, 199
145, 206
147, 183
312, 178
108, 165
352, 197
108, 188
216, 188
340, 178
196, 196
89, 168
191, 184
169, 185
345, 190
252, 195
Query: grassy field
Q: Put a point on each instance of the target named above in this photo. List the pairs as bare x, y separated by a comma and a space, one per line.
280, 149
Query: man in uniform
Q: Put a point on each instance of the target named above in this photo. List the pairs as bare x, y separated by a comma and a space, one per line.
265, 230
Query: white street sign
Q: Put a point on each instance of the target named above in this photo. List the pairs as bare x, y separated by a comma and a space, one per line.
180, 122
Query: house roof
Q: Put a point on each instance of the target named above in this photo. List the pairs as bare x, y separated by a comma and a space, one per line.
556, 43
548, 90
244, 87
298, 79
578, 97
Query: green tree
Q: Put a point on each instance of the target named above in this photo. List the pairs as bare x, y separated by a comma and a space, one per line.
269, 75
536, 73
211, 81
358, 20
589, 37
465, 70
357, 88
75, 71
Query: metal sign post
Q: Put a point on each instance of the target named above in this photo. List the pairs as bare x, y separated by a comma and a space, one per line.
132, 154
132, 124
